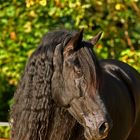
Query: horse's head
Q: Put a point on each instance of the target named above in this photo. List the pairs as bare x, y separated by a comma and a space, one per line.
75, 85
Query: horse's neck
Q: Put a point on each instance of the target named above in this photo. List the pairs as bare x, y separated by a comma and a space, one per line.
61, 125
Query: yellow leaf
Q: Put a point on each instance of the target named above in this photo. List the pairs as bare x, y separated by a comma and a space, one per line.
28, 27
118, 6
29, 3
43, 2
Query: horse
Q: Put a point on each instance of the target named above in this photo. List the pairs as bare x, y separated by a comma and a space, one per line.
66, 93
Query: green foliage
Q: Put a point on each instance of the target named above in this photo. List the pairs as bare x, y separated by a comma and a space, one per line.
6, 91
131, 57
4, 132
23, 23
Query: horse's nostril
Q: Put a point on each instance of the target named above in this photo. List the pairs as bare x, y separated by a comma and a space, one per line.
103, 128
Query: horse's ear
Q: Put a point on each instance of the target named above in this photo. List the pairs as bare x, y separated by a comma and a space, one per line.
74, 42
95, 39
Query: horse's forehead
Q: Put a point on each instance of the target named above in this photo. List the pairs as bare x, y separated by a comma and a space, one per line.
88, 65
85, 56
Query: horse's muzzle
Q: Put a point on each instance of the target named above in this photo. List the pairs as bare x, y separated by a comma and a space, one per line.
101, 132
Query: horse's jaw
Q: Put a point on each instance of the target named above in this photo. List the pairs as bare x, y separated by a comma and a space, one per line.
96, 126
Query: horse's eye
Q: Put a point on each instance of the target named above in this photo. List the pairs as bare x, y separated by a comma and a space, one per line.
67, 106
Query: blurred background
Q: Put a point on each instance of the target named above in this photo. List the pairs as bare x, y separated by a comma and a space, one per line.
24, 22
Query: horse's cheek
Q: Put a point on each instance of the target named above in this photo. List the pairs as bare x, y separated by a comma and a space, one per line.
60, 97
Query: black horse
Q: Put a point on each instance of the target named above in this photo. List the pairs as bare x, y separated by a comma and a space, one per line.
65, 93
